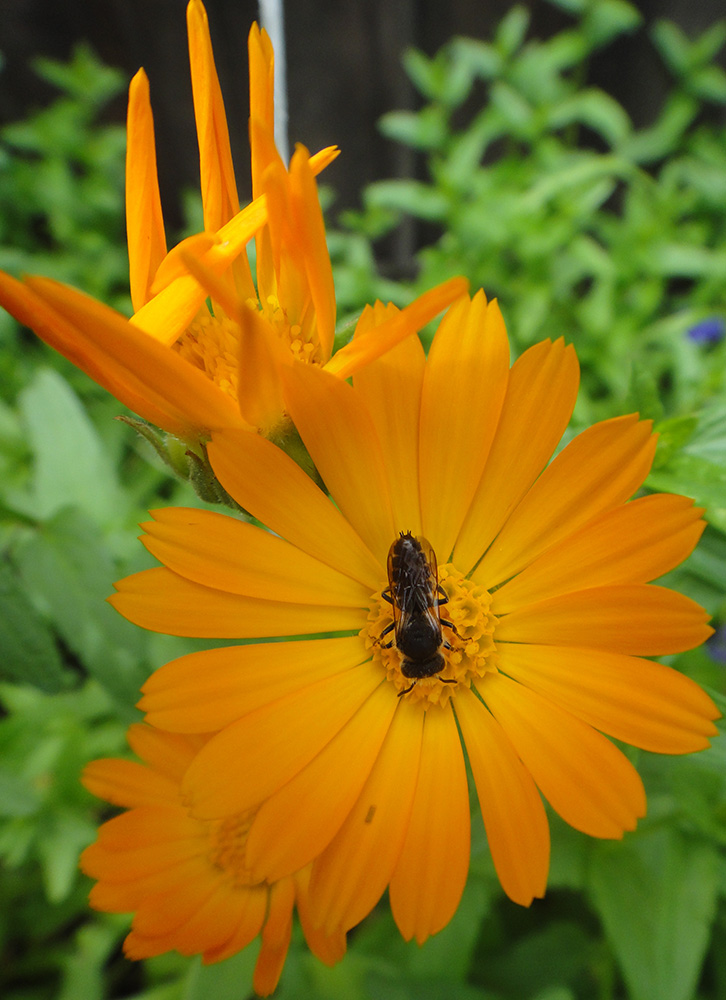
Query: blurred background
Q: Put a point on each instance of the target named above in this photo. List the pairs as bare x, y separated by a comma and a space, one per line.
569, 156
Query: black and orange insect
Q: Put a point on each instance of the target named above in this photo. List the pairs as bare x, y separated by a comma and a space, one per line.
416, 595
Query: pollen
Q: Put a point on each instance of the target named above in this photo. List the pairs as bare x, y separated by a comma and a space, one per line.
212, 344
227, 840
467, 631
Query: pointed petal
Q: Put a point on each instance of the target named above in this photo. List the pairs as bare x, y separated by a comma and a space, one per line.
598, 470
391, 390
637, 701
219, 189
362, 350
590, 783
342, 442
633, 618
633, 543
318, 799
161, 601
148, 378
350, 876
275, 938
254, 757
262, 478
204, 692
144, 219
514, 817
430, 876
540, 397
464, 387
262, 106
329, 948
227, 554
168, 314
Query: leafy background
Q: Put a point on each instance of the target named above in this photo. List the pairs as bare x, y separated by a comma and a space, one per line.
539, 188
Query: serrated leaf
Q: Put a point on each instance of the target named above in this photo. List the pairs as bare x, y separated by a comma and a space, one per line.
28, 651
656, 896
70, 465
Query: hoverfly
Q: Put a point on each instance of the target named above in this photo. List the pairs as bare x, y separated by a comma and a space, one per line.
415, 594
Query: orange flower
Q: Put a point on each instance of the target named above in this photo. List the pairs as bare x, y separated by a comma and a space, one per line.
351, 747
186, 879
178, 364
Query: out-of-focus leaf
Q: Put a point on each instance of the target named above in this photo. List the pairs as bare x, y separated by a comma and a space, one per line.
421, 200
28, 652
17, 796
656, 896
607, 19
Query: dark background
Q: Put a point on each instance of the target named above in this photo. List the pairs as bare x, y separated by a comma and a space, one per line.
344, 69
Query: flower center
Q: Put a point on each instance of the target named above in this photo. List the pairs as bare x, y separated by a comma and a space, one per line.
227, 846
212, 344
466, 651
300, 337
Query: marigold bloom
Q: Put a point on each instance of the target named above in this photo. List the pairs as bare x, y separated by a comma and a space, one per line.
545, 569
178, 364
186, 879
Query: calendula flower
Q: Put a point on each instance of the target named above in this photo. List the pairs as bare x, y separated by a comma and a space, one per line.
186, 880
354, 757
177, 363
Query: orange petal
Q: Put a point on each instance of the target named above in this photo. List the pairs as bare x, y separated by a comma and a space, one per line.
514, 817
329, 948
126, 897
206, 691
262, 478
254, 757
135, 863
163, 913
126, 783
144, 219
165, 753
633, 543
590, 783
362, 350
632, 618
262, 104
463, 391
540, 396
161, 601
250, 910
342, 442
148, 378
598, 470
159, 824
317, 800
350, 876
396, 375
275, 938
227, 554
168, 314
637, 701
430, 876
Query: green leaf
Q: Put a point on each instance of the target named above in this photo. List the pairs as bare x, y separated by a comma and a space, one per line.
605, 20
673, 46
71, 467
424, 129
17, 796
28, 651
656, 896
595, 109
511, 31
412, 197
67, 565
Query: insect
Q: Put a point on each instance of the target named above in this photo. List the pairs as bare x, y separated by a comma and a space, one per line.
415, 594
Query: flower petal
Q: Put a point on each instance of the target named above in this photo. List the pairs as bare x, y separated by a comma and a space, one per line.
166, 753
514, 817
590, 783
463, 390
204, 692
276, 936
340, 436
633, 543
161, 601
250, 912
148, 378
633, 618
540, 397
227, 554
144, 219
254, 757
261, 478
640, 702
430, 876
316, 801
597, 470
127, 783
352, 873
395, 376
